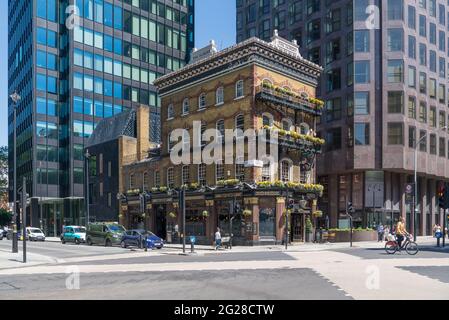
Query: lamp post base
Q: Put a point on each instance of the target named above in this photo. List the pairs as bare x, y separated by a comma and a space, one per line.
15, 243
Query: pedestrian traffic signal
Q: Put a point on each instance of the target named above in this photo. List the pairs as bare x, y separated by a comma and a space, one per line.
291, 204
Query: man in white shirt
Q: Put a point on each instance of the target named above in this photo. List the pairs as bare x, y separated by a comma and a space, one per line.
217, 239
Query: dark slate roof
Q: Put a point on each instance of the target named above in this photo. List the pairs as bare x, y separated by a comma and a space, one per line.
123, 124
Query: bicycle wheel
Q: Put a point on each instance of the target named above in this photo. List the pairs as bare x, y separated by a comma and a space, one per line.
412, 248
391, 247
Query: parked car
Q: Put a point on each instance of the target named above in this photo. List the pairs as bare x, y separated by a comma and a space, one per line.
34, 234
137, 238
74, 234
107, 234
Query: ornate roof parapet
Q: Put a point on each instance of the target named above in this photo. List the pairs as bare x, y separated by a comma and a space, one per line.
279, 54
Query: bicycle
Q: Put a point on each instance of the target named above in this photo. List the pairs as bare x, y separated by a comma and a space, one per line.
391, 247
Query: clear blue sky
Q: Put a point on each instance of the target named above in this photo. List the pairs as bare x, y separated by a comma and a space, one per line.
215, 19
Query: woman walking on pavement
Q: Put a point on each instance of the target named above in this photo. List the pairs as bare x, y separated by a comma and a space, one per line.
217, 239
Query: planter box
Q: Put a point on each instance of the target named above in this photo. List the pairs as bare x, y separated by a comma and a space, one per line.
357, 236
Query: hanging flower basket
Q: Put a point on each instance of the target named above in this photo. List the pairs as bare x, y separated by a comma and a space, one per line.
247, 213
317, 214
172, 215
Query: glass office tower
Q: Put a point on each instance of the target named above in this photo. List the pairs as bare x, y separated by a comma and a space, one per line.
74, 63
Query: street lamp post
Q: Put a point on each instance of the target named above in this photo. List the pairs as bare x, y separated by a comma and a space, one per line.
15, 97
87, 156
287, 208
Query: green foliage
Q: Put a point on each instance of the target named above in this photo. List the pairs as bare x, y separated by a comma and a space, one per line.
3, 167
348, 230
5, 217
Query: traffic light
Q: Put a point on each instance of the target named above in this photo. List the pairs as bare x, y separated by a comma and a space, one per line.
350, 208
291, 204
441, 195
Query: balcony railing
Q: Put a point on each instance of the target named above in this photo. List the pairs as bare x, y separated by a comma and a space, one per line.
299, 144
289, 99
293, 140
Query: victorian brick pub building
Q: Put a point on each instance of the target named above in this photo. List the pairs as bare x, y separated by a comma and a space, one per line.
252, 85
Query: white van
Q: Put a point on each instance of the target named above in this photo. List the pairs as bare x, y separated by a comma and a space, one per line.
35, 234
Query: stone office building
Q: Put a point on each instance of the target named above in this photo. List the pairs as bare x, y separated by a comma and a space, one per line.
386, 91
253, 85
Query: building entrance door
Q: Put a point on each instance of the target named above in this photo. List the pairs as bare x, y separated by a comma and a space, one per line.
297, 227
161, 223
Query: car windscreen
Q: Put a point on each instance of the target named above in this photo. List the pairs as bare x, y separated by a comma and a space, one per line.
116, 228
149, 234
35, 231
80, 230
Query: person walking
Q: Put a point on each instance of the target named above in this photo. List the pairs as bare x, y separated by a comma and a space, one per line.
217, 239
386, 233
380, 232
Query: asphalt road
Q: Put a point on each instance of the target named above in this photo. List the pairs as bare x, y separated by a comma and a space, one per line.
440, 273
61, 251
288, 284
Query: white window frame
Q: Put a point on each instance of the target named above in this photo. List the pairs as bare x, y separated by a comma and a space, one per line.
216, 172
290, 124
185, 106
170, 112
239, 89
172, 180
219, 96
202, 169
290, 170
270, 116
185, 173
202, 101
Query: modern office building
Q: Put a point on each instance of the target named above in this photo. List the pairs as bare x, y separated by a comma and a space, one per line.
75, 63
385, 84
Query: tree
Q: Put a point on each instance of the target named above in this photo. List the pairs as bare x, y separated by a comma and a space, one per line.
3, 167
5, 217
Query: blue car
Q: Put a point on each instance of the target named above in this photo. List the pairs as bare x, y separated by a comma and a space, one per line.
137, 238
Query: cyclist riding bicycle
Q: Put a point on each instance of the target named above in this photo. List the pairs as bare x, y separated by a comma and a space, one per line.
401, 232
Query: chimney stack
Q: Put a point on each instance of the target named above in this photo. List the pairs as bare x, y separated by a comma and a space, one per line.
143, 131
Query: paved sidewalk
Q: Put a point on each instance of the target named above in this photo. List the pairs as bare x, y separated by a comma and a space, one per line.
10, 260
427, 241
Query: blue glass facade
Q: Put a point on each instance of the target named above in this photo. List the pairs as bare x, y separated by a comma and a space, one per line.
74, 63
